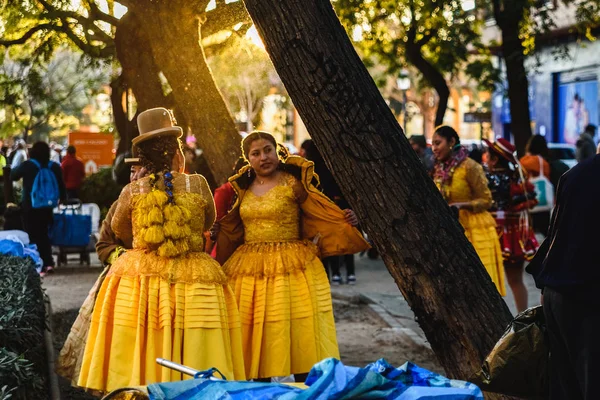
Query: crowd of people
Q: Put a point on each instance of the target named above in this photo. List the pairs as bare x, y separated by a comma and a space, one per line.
245, 275
46, 179
495, 200
564, 267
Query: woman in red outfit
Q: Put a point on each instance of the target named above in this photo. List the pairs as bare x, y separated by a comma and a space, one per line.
512, 196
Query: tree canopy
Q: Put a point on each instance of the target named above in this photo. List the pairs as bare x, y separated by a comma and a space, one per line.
245, 82
144, 55
45, 97
436, 37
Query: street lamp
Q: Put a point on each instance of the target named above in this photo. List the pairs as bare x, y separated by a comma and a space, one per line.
403, 83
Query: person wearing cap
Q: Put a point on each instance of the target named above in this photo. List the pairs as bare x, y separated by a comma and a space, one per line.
164, 297
109, 248
512, 196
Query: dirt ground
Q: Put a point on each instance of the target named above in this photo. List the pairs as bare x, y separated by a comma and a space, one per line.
362, 336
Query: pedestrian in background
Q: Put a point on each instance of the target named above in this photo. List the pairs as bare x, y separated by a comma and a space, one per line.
513, 195
463, 184
419, 145
19, 154
535, 163
566, 269
73, 173
38, 219
586, 144
55, 150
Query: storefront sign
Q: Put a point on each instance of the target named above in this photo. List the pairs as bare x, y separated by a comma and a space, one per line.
94, 149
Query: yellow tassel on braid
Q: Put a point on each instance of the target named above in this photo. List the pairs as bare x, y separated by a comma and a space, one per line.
142, 220
168, 249
155, 216
154, 235
187, 214
156, 198
174, 230
163, 226
173, 213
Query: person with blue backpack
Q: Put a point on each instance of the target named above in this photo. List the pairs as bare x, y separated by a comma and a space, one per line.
43, 189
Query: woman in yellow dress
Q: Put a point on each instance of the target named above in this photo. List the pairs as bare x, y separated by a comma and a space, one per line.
164, 298
464, 185
270, 243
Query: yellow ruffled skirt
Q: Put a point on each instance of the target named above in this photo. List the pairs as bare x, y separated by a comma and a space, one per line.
480, 229
148, 307
284, 299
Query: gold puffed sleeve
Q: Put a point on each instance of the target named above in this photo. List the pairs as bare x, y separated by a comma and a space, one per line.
200, 185
300, 192
121, 223
478, 183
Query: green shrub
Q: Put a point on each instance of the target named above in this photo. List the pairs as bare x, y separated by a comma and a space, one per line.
100, 188
23, 363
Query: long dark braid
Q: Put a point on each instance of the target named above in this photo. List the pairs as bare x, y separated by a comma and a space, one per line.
156, 156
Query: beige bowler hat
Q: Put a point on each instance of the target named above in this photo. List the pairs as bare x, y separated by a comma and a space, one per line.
154, 123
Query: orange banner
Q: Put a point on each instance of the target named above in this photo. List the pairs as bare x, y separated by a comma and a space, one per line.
94, 149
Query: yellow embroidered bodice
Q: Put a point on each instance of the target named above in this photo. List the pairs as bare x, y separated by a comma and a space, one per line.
469, 184
136, 207
274, 216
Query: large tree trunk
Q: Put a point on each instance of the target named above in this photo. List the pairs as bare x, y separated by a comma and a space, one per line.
433, 77
175, 43
509, 19
423, 246
122, 123
139, 73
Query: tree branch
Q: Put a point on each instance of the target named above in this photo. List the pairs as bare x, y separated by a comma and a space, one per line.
96, 13
426, 38
91, 50
23, 39
412, 30
224, 17
498, 12
86, 23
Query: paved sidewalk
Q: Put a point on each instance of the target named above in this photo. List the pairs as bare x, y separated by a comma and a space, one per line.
375, 285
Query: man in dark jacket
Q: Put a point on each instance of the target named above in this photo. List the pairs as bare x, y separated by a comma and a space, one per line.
37, 221
586, 145
567, 269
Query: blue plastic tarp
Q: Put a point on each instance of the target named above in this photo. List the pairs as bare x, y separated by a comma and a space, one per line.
330, 379
14, 247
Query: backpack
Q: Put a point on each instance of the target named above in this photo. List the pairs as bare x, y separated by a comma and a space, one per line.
44, 193
544, 191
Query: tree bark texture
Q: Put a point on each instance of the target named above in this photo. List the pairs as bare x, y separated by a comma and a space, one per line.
139, 73
139, 69
175, 43
421, 243
122, 123
509, 16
